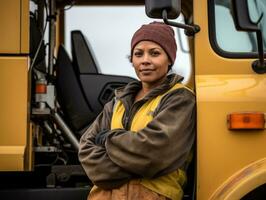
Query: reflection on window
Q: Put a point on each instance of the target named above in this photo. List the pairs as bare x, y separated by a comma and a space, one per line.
227, 37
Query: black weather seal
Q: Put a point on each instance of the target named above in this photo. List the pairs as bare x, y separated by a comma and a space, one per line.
213, 41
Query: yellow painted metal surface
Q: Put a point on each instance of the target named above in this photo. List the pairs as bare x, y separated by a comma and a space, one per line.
25, 27
14, 113
246, 179
221, 152
29, 155
223, 86
14, 23
12, 158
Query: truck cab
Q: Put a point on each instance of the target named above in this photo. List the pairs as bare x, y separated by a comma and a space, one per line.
54, 83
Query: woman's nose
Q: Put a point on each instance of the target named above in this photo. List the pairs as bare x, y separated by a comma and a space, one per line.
146, 58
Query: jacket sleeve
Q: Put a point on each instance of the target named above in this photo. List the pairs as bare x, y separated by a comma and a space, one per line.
102, 171
164, 144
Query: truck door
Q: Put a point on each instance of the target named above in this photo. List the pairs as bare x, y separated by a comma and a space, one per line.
226, 84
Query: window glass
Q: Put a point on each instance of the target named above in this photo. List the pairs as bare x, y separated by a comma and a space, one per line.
227, 37
109, 30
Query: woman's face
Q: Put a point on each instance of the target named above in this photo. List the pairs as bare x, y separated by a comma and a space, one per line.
150, 62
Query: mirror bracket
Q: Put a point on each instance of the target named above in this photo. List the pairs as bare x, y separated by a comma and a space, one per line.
190, 30
259, 66
244, 23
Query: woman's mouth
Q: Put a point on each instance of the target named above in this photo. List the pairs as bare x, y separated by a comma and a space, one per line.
146, 72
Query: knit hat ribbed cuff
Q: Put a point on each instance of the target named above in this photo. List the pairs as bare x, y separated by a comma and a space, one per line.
159, 33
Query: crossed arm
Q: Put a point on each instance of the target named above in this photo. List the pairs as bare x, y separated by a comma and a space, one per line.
159, 148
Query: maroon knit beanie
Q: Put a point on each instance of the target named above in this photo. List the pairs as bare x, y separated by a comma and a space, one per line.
159, 33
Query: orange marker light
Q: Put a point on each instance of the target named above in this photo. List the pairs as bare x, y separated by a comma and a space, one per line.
40, 88
246, 120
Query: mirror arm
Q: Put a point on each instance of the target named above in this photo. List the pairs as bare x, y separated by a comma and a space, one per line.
190, 29
260, 47
259, 66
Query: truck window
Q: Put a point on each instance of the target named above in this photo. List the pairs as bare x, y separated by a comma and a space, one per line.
109, 35
226, 40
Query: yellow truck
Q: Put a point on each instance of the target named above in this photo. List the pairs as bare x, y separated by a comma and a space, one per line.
49, 95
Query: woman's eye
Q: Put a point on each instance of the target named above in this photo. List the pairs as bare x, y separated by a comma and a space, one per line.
155, 53
138, 54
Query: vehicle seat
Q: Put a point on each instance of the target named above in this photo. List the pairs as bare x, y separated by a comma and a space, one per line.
77, 111
82, 90
97, 88
83, 60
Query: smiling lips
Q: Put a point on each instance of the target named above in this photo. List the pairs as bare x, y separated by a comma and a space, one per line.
146, 71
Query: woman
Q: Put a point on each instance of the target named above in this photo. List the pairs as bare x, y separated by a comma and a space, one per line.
138, 147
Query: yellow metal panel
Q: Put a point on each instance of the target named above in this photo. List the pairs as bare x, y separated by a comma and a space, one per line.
11, 158
29, 156
221, 152
10, 26
13, 106
25, 26
223, 86
247, 179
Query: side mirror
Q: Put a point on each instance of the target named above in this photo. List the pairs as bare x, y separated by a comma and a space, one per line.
247, 17
154, 8
168, 9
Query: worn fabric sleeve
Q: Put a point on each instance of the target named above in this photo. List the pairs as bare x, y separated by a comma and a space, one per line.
102, 171
164, 144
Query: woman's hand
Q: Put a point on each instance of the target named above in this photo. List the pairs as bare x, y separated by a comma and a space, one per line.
101, 138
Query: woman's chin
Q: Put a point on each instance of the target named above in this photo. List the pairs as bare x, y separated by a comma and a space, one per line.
147, 79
